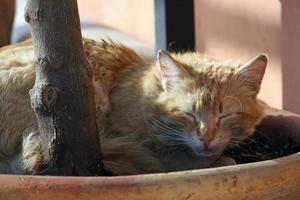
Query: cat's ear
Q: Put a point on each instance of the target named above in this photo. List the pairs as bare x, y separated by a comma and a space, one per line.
251, 74
171, 71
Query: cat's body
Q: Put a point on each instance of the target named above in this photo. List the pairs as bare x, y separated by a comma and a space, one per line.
179, 114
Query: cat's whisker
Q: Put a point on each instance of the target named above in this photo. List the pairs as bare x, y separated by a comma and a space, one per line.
238, 147
234, 144
175, 148
175, 131
170, 138
180, 148
173, 141
168, 134
258, 142
183, 148
163, 128
263, 134
160, 124
236, 141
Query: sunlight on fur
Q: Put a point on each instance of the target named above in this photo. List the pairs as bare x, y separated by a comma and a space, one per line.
177, 113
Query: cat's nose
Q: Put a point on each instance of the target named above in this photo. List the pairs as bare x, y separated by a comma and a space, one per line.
206, 141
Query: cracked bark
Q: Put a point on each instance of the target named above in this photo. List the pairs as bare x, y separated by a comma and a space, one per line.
63, 94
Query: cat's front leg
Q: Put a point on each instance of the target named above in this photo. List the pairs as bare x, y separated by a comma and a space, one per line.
28, 160
31, 157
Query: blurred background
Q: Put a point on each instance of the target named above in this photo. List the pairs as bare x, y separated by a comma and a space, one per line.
228, 29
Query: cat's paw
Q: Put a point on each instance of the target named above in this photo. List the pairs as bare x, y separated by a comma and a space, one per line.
32, 157
223, 161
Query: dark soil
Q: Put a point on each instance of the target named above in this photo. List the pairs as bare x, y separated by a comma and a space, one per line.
259, 147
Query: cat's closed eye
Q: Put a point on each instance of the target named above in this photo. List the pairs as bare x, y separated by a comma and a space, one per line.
187, 115
223, 116
228, 115
191, 116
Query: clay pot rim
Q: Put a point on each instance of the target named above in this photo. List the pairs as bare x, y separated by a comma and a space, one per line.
150, 177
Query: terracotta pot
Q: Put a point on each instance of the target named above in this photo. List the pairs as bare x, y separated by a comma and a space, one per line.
266, 180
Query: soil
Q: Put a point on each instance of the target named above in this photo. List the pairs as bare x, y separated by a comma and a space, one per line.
258, 147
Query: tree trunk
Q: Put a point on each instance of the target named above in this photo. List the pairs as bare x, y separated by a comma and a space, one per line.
63, 94
7, 12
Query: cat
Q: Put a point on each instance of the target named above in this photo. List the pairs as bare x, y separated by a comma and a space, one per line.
178, 113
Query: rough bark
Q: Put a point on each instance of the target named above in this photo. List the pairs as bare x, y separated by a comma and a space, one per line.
63, 94
7, 12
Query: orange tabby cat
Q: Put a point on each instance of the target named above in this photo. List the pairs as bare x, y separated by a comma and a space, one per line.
176, 114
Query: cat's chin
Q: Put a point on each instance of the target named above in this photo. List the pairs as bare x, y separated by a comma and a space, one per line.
199, 151
207, 154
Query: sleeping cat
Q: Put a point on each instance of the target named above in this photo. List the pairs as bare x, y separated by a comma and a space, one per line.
178, 113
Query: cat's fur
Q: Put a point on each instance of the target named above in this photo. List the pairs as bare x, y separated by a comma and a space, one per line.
176, 114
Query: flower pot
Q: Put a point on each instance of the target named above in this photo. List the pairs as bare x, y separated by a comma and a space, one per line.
273, 179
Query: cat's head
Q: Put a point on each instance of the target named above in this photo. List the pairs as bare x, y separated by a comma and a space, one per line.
207, 104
